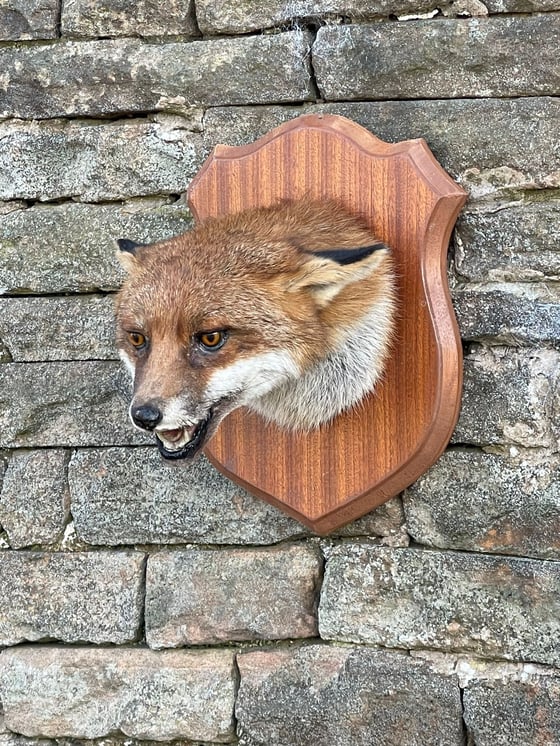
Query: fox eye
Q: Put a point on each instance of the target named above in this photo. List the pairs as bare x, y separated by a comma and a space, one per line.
137, 340
212, 340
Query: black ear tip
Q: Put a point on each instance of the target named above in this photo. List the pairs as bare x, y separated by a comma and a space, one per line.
349, 256
130, 247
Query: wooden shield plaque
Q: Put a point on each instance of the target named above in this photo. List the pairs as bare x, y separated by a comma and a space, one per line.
341, 471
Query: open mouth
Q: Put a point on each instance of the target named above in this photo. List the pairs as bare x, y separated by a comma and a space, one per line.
184, 442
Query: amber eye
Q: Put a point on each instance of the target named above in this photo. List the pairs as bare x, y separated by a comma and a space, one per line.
137, 340
211, 340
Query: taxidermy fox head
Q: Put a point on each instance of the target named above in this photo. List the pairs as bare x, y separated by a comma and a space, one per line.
287, 310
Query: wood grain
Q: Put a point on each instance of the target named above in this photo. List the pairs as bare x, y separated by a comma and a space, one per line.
341, 471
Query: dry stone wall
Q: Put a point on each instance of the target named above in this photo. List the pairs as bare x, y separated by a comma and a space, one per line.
145, 604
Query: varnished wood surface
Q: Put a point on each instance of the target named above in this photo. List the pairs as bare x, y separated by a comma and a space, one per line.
333, 475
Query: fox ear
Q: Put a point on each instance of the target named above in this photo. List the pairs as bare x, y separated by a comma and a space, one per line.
127, 253
328, 272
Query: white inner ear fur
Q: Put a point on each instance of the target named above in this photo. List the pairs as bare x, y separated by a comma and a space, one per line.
325, 278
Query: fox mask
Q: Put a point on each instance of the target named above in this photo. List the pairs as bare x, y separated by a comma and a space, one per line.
287, 310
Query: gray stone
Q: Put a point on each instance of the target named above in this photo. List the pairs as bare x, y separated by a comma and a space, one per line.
131, 496
28, 19
58, 328
497, 607
71, 247
321, 695
231, 17
107, 18
510, 396
96, 162
518, 242
75, 597
509, 712
466, 136
122, 496
34, 501
481, 57
484, 502
387, 522
91, 693
123, 76
508, 316
196, 596
521, 6
65, 404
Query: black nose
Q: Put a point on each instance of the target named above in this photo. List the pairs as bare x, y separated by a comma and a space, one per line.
146, 416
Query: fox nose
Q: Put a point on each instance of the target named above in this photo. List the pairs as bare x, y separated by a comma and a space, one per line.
146, 416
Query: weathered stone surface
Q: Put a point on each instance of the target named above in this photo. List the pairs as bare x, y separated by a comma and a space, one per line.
28, 19
230, 17
483, 502
509, 396
466, 136
92, 78
508, 315
521, 6
519, 242
321, 695
96, 162
91, 693
58, 328
65, 404
387, 521
497, 607
70, 248
76, 597
510, 712
34, 501
480, 57
89, 18
196, 597
131, 496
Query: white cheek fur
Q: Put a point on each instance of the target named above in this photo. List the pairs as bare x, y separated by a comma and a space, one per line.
250, 378
128, 363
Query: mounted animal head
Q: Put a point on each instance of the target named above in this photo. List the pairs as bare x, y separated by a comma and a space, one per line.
287, 310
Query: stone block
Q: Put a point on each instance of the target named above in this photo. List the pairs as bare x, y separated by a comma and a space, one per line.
517, 243
96, 162
485, 502
65, 404
34, 500
321, 695
130, 496
58, 328
75, 597
207, 596
90, 18
92, 693
465, 135
124, 76
482, 57
510, 396
521, 6
28, 19
509, 316
496, 607
71, 247
230, 17
514, 712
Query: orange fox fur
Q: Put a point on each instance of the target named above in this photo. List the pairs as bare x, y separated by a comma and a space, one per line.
295, 335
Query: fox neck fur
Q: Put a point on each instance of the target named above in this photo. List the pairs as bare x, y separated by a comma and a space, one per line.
288, 310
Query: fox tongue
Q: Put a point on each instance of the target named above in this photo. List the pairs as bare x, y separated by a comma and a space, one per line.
173, 436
